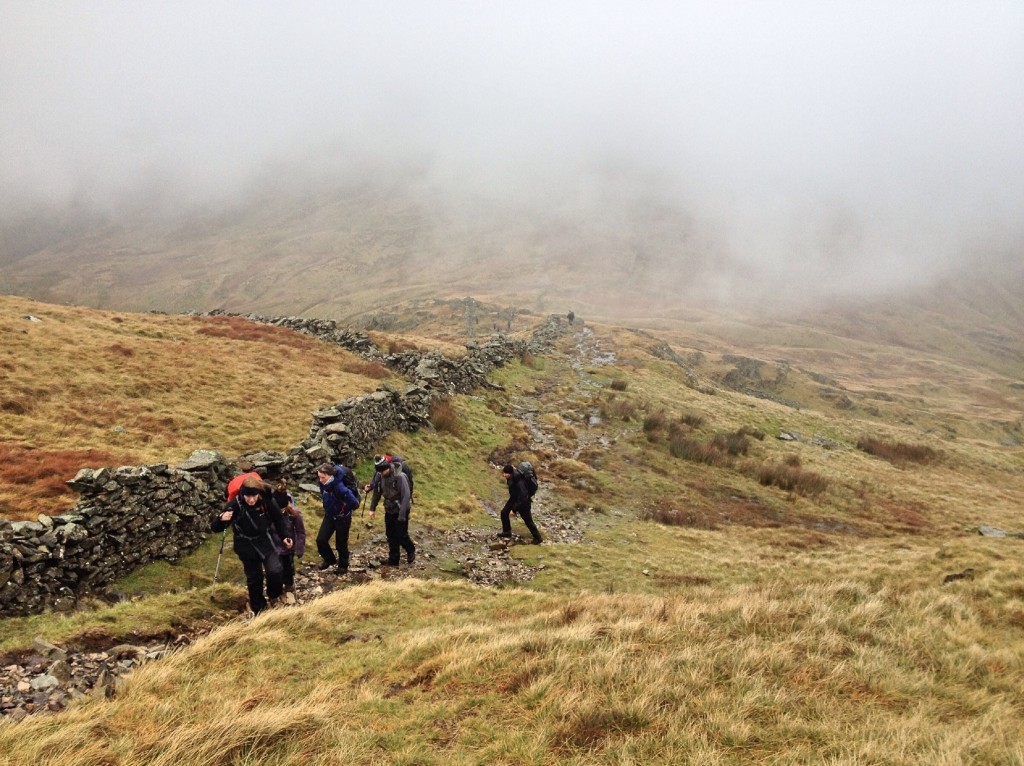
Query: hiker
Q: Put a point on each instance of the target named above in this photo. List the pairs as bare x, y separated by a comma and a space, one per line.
393, 486
295, 528
401, 462
519, 502
339, 502
251, 514
571, 317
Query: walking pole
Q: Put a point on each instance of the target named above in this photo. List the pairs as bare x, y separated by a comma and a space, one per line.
216, 570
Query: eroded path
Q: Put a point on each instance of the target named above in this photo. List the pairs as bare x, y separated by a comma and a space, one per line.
47, 678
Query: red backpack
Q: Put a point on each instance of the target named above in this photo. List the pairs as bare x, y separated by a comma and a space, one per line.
236, 483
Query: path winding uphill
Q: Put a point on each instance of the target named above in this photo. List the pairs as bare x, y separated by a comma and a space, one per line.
49, 677
473, 552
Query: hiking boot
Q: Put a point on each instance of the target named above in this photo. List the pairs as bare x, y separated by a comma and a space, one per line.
324, 565
411, 558
388, 563
341, 570
506, 535
537, 540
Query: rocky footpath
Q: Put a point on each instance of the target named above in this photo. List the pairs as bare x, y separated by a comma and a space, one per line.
137, 514
49, 677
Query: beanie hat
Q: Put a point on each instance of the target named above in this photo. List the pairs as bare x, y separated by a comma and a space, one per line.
381, 462
508, 469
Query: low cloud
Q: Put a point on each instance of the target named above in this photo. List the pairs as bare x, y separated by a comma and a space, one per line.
852, 144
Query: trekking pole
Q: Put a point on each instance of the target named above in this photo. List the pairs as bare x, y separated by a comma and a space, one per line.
216, 570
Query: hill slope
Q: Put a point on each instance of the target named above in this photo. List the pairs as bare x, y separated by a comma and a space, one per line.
727, 577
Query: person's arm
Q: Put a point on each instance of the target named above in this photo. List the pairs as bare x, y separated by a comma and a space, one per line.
277, 519
403, 501
222, 520
375, 497
518, 495
351, 501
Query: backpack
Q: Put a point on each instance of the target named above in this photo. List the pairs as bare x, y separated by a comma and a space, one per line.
405, 468
236, 483
529, 477
345, 475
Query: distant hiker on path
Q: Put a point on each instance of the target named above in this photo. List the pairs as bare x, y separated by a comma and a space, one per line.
520, 501
393, 486
571, 317
252, 513
339, 502
295, 528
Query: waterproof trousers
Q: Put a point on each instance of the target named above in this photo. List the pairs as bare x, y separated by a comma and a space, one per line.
254, 570
338, 527
398, 538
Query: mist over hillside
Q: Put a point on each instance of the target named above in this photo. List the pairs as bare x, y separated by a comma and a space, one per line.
622, 160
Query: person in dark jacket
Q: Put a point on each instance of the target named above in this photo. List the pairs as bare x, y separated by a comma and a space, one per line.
394, 488
339, 502
252, 514
519, 502
295, 528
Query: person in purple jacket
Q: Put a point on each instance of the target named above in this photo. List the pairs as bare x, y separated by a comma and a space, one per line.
339, 502
295, 528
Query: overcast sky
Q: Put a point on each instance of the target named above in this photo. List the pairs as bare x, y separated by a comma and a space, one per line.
796, 130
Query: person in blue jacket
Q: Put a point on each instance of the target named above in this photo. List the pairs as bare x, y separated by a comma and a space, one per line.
339, 502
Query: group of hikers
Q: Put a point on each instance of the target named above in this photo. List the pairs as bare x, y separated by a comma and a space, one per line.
269, 531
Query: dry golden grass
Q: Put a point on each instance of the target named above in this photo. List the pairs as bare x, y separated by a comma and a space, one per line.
85, 387
706, 618
835, 670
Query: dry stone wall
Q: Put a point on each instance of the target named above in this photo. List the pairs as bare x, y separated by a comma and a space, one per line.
134, 515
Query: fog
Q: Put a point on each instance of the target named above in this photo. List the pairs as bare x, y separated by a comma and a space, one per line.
853, 143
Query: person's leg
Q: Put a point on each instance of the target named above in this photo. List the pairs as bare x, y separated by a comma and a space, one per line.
405, 541
344, 526
288, 572
254, 583
323, 542
272, 564
506, 524
527, 516
391, 530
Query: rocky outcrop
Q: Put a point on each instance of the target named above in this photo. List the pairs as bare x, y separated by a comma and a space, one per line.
134, 515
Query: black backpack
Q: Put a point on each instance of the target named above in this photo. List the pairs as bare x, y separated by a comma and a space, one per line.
348, 478
529, 477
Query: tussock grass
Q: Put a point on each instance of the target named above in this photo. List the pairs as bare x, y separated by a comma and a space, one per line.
897, 453
791, 478
420, 672
444, 417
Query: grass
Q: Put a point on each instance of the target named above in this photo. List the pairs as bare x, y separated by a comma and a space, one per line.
87, 388
704, 618
419, 673
897, 453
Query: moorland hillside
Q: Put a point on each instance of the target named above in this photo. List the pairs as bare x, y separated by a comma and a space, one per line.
345, 253
761, 545
761, 529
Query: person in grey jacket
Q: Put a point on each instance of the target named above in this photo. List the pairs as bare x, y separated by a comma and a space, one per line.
394, 488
